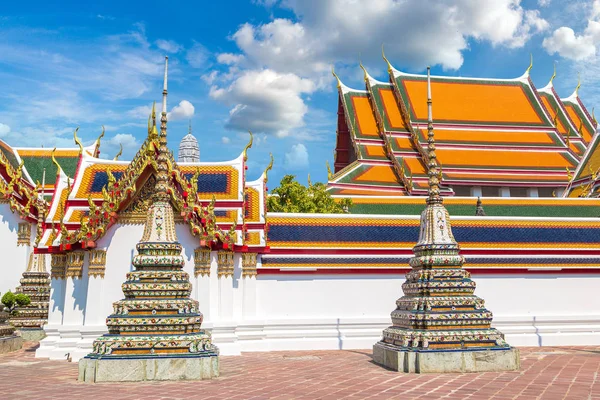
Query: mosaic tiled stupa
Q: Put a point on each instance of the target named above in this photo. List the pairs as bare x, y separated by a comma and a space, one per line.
155, 332
439, 325
35, 283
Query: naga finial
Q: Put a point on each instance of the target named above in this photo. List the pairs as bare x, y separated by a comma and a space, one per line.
578, 85
77, 141
245, 152
553, 74
386, 60
119, 153
269, 167
366, 74
55, 162
329, 173
339, 83
530, 64
594, 117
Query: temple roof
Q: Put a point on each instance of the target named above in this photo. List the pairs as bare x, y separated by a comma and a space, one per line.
489, 132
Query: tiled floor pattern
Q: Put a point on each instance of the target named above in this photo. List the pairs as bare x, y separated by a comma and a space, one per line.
547, 373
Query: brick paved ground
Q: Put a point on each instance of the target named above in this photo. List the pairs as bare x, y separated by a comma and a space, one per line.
547, 373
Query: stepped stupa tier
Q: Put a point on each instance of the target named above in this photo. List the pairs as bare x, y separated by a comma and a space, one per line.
439, 325
35, 283
155, 331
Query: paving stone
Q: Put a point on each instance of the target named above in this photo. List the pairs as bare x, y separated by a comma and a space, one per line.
568, 373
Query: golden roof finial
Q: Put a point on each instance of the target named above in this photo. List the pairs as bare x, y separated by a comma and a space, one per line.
594, 117
555, 119
386, 60
329, 174
553, 74
576, 93
78, 141
101, 135
119, 153
569, 174
530, 64
339, 83
309, 182
269, 167
55, 162
248, 146
366, 74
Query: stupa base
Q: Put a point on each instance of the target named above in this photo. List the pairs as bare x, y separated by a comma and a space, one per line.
446, 361
32, 334
10, 343
158, 368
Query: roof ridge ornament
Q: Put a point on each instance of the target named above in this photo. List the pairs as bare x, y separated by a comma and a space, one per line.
249, 145
119, 153
528, 70
576, 92
269, 167
553, 75
77, 141
366, 74
98, 142
390, 68
55, 162
339, 83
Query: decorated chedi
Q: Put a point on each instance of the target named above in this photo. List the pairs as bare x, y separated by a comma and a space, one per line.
155, 332
35, 283
439, 325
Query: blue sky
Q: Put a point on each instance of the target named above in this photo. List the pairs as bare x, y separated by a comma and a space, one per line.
262, 65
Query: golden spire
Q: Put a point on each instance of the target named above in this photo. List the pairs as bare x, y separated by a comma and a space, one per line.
119, 153
163, 117
530, 64
55, 162
432, 165
269, 167
386, 60
339, 83
309, 182
245, 152
190, 128
78, 141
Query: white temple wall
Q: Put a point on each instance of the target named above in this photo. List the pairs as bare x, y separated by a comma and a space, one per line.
14, 258
315, 311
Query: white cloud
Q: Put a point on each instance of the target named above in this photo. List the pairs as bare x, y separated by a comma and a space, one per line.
225, 140
296, 158
282, 62
230, 58
4, 130
184, 110
140, 112
543, 3
169, 46
265, 101
568, 44
110, 146
197, 56
210, 77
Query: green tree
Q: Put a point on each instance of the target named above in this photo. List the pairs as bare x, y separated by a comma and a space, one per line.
293, 197
11, 301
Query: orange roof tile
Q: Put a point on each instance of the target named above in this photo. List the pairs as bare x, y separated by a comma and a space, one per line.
391, 109
378, 173
523, 159
473, 102
586, 134
364, 116
494, 137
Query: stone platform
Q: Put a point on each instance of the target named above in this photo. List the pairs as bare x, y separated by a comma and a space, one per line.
10, 343
32, 335
445, 361
147, 369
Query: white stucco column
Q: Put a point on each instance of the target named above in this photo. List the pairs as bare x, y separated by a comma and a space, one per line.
532, 192
504, 191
